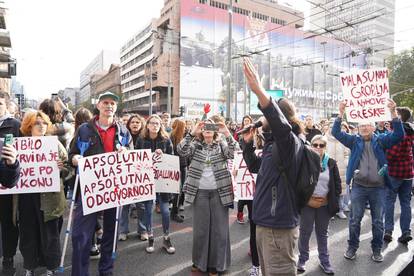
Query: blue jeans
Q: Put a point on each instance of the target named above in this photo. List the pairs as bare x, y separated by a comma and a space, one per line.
402, 188
165, 213
375, 197
124, 220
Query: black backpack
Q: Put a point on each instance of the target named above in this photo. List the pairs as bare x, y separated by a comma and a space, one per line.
308, 173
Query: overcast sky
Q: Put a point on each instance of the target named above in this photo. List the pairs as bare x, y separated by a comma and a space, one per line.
54, 40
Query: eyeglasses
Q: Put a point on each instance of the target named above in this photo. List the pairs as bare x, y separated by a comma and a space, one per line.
38, 123
321, 146
154, 123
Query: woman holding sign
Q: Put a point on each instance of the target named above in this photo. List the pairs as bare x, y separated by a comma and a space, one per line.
155, 137
209, 187
39, 213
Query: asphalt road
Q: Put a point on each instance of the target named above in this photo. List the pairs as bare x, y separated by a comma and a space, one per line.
133, 260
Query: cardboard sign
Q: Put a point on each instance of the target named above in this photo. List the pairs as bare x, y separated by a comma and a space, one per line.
244, 184
167, 173
366, 93
114, 179
39, 172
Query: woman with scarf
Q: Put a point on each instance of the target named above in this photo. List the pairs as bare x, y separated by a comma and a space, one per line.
322, 206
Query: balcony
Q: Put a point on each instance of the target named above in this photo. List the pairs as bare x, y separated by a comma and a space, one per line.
5, 38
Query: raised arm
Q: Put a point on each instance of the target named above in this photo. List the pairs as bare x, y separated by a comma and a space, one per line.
346, 139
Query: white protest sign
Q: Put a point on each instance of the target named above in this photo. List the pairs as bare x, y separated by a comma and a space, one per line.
167, 173
366, 92
39, 172
114, 179
244, 182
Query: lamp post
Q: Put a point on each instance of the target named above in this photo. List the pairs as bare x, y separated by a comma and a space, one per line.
229, 60
324, 78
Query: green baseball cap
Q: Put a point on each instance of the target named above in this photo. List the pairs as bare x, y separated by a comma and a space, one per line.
108, 94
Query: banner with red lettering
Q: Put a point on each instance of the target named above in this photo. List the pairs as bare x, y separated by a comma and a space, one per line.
366, 92
114, 179
167, 173
244, 182
38, 161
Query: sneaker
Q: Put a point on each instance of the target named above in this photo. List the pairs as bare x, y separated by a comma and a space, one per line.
300, 267
122, 237
341, 215
8, 267
143, 236
51, 272
346, 209
405, 238
177, 218
388, 236
327, 268
150, 247
350, 253
94, 254
240, 218
168, 246
29, 273
157, 208
254, 271
377, 257
194, 268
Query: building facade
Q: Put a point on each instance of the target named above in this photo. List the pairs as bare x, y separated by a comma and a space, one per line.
99, 64
109, 81
368, 24
150, 61
70, 95
7, 64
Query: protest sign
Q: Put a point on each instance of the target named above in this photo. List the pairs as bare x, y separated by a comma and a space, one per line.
366, 93
244, 182
39, 172
166, 173
115, 179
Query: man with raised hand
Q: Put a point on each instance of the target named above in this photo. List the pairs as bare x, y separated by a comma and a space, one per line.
367, 168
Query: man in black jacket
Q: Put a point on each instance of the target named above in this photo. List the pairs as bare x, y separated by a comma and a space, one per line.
10, 232
275, 209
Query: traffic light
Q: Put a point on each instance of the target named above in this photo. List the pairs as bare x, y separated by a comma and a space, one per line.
182, 110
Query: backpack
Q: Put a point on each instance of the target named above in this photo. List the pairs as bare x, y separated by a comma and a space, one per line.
308, 173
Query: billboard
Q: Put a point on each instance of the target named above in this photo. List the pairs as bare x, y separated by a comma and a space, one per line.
287, 59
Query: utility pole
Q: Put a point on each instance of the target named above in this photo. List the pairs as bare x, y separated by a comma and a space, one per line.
169, 41
150, 96
229, 60
324, 79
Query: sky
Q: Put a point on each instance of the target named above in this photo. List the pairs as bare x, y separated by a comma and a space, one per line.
54, 40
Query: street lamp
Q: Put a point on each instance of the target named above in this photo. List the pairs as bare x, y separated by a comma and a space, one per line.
324, 78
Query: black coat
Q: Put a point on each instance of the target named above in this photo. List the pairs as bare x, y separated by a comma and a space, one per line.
334, 187
9, 175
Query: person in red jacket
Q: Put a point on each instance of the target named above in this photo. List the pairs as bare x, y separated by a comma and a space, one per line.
401, 173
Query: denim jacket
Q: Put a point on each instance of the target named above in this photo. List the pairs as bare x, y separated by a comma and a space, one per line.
378, 142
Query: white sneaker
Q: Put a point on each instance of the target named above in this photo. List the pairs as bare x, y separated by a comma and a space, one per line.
341, 215
346, 208
122, 237
255, 271
143, 236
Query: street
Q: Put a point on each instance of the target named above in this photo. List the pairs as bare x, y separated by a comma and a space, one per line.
133, 260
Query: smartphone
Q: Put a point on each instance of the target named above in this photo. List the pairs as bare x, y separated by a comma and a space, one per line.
211, 127
8, 139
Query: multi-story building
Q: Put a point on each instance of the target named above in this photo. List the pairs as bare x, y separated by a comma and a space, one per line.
109, 81
150, 60
7, 64
368, 24
70, 95
99, 64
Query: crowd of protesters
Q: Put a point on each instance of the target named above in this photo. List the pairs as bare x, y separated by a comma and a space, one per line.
361, 166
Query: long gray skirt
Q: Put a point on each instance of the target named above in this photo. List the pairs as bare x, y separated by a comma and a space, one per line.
211, 237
